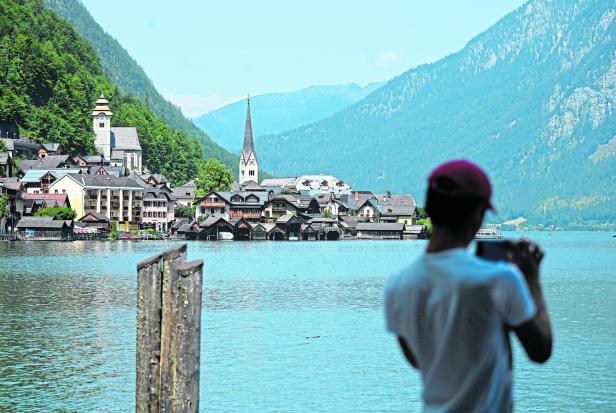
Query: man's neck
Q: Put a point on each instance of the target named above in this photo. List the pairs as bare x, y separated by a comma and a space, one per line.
443, 239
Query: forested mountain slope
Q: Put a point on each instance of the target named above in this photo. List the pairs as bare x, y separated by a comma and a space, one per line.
532, 99
278, 112
126, 73
49, 80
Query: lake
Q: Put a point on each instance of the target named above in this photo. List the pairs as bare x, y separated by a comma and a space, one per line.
286, 326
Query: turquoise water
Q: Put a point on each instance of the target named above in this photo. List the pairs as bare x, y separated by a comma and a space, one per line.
287, 327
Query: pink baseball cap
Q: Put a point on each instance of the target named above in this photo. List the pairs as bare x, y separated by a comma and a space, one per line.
461, 178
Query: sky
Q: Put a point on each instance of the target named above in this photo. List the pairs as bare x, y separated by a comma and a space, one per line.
203, 54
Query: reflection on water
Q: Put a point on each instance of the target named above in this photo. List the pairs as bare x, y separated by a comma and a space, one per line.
286, 327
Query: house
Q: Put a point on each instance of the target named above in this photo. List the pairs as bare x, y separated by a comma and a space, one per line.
37, 181
397, 208
119, 145
156, 180
258, 232
274, 232
291, 225
213, 204
44, 228
47, 163
242, 229
185, 194
22, 147
118, 198
377, 230
282, 205
7, 165
370, 210
247, 205
92, 226
415, 232
158, 208
46, 149
33, 202
11, 188
96, 220
321, 229
213, 227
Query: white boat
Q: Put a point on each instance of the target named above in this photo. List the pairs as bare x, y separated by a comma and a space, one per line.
225, 236
488, 233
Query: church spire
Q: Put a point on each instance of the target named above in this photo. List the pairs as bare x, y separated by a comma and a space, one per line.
248, 143
249, 166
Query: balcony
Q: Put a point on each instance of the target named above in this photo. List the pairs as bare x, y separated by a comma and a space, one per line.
279, 208
212, 204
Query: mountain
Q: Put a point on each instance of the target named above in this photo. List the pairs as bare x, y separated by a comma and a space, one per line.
277, 112
49, 80
126, 73
532, 100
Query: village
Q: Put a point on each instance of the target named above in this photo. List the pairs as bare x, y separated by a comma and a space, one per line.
115, 197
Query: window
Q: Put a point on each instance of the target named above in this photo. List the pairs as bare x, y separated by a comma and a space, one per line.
36, 191
222, 210
64, 191
242, 173
56, 191
101, 125
251, 173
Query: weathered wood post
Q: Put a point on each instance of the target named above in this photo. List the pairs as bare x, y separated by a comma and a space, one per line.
169, 294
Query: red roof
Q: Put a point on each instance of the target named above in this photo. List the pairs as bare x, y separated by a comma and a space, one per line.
61, 199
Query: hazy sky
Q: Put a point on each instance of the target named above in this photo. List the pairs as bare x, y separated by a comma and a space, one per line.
202, 54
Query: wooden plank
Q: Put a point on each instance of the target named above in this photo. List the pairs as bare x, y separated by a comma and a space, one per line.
148, 334
168, 350
187, 341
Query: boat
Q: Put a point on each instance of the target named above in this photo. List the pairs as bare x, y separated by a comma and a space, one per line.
225, 236
488, 233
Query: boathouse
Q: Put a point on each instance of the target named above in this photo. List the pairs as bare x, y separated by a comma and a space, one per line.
374, 230
44, 229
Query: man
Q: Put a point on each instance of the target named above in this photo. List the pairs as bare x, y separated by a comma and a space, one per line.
452, 311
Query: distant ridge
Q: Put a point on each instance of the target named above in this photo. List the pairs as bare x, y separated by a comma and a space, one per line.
277, 112
532, 99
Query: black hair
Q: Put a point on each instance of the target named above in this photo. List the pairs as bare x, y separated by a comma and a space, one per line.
448, 210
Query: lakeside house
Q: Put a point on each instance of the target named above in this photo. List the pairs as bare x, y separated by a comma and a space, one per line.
118, 198
44, 229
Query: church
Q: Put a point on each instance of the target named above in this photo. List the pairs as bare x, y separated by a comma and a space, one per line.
118, 145
249, 167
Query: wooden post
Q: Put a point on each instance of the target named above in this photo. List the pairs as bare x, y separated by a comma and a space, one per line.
168, 333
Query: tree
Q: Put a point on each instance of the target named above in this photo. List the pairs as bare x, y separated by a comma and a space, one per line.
3, 147
213, 176
182, 211
327, 213
4, 200
57, 212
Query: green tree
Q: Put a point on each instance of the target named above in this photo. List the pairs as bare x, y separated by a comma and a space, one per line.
57, 212
3, 147
4, 200
327, 213
182, 211
213, 176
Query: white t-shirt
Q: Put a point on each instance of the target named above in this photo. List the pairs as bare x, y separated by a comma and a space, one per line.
451, 308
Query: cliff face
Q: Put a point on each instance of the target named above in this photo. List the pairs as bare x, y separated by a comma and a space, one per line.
532, 100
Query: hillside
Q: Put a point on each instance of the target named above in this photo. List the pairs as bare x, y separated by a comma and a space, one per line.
278, 112
126, 73
532, 99
49, 80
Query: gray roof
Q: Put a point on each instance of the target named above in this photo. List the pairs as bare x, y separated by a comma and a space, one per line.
104, 181
97, 215
415, 229
12, 184
40, 222
379, 226
181, 191
396, 210
155, 193
124, 139
48, 162
397, 200
4, 158
51, 147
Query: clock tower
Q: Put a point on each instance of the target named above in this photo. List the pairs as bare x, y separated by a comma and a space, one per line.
101, 122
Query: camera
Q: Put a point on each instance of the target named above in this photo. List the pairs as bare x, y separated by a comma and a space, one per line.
504, 250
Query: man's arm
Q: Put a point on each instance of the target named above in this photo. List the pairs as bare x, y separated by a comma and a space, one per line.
535, 334
406, 350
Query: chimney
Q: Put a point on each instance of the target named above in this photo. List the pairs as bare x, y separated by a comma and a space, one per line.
356, 196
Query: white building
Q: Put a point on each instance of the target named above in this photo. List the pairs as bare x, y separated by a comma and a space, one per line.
249, 166
311, 184
119, 146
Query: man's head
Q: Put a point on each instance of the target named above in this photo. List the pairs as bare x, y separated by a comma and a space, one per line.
458, 195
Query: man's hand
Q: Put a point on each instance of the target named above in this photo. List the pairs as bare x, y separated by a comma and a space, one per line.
535, 334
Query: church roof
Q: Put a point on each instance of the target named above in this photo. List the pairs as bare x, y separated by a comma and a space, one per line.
124, 139
248, 141
102, 106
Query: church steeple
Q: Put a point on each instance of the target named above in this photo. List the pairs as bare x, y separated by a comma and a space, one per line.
249, 168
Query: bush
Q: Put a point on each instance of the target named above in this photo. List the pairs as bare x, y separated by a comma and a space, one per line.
57, 213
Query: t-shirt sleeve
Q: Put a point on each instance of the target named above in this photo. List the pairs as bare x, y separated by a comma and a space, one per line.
392, 310
513, 298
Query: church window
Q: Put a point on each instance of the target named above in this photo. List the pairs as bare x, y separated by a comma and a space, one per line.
101, 125
251, 173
